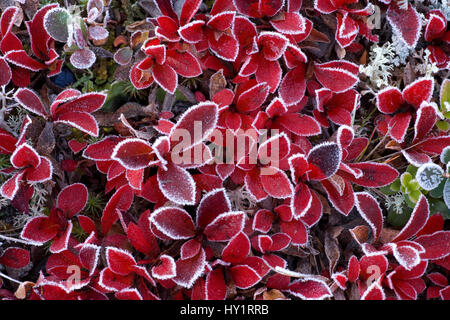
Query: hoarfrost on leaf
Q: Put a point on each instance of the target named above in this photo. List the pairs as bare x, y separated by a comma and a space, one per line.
429, 176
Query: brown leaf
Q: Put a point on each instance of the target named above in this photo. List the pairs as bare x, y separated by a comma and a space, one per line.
217, 82
120, 40
274, 294
408, 74
46, 141
360, 233
340, 52
393, 145
30, 7
363, 59
24, 289
317, 36
387, 235
331, 251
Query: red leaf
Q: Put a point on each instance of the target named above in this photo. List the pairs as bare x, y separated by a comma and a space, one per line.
353, 269
25, 155
81, 120
177, 184
114, 282
212, 205
165, 270
189, 270
166, 77
436, 26
30, 101
133, 154
269, 72
244, 277
342, 200
374, 292
41, 173
346, 30
21, 59
418, 91
374, 174
76, 146
188, 10
237, 249
425, 120
184, 63
324, 159
296, 230
216, 287
301, 200
226, 47
324, 6
338, 76
252, 98
258, 8
309, 289
405, 23
72, 199
61, 241
202, 116
15, 258
10, 188
370, 210
119, 261
416, 222
293, 23
276, 183
39, 230
398, 126
121, 200
262, 221
173, 222
372, 265
293, 86
437, 245
389, 100
225, 226
128, 294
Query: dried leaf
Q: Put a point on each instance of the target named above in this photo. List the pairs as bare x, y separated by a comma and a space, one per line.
46, 141
360, 233
24, 289
217, 82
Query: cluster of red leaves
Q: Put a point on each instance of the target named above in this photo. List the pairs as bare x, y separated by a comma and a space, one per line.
194, 243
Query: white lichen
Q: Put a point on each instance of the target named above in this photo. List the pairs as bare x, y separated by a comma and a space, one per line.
380, 65
241, 199
395, 202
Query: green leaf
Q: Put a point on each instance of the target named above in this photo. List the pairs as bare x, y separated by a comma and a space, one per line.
443, 125
446, 193
405, 178
116, 96
438, 206
429, 176
445, 155
445, 93
56, 23
438, 191
399, 219
412, 169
